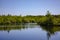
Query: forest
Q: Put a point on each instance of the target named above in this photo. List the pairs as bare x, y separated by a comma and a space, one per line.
47, 19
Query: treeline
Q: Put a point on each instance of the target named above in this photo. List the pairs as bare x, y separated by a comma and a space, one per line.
47, 19
18, 19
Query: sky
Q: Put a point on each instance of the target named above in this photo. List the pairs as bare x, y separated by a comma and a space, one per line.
29, 7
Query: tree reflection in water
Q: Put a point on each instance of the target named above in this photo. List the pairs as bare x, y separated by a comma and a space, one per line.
50, 30
8, 28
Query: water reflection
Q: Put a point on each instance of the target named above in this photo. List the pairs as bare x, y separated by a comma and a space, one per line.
37, 31
8, 28
51, 30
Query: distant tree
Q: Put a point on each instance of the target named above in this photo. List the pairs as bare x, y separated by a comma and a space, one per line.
48, 14
9, 15
49, 20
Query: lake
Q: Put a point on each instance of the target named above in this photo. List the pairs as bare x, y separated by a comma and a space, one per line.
29, 31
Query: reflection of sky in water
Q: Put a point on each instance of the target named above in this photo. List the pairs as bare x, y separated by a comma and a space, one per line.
24, 34
35, 33
56, 36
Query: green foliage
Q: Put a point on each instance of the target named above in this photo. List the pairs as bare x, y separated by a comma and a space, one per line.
50, 19
44, 20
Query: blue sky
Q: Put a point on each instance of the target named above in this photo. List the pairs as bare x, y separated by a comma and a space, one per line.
29, 7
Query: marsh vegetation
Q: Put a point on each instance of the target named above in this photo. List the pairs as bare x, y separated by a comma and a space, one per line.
47, 19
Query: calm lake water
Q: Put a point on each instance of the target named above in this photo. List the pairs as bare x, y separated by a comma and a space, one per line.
29, 32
